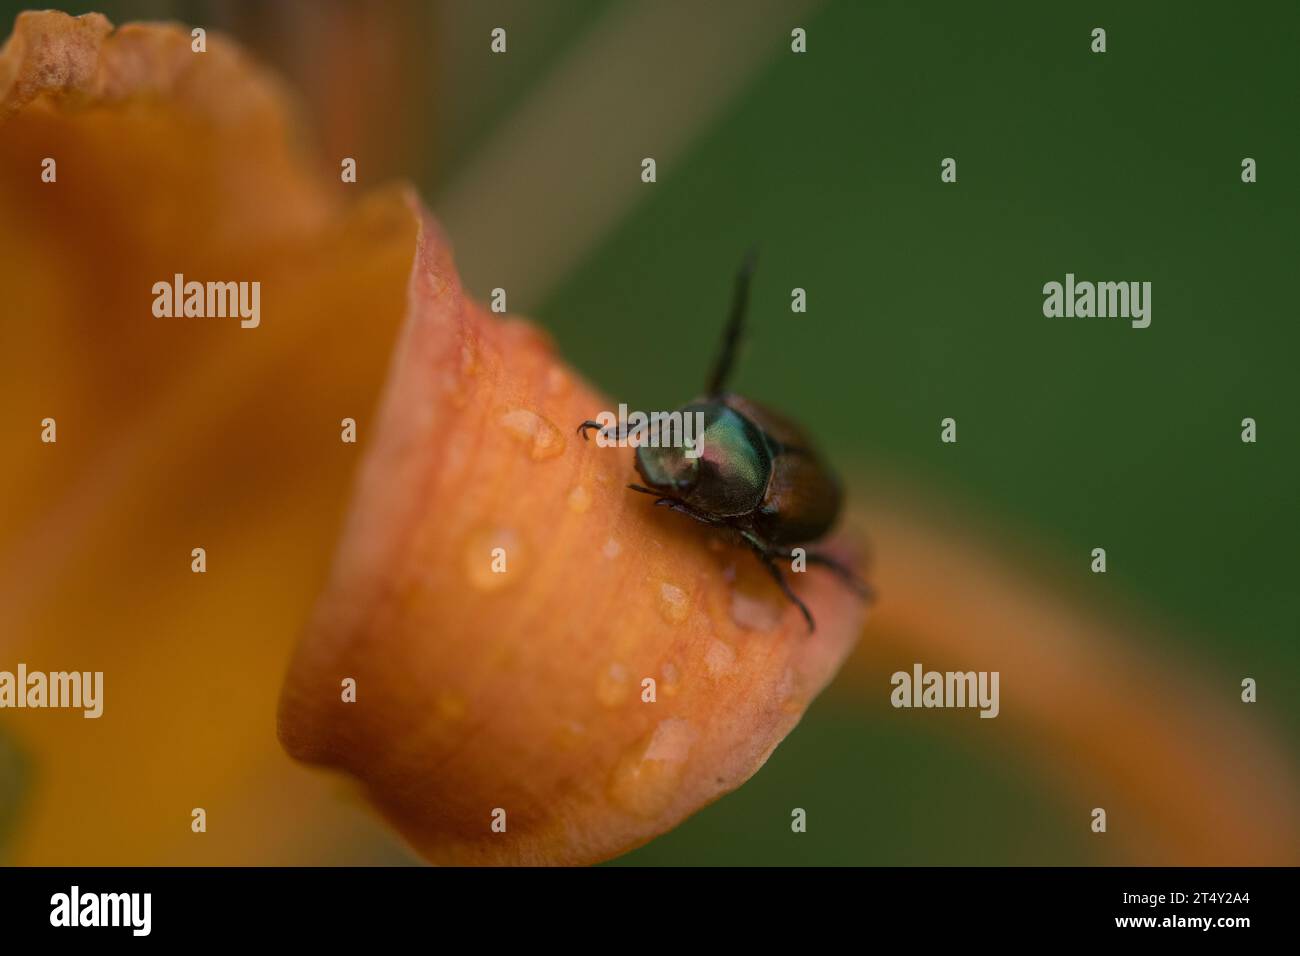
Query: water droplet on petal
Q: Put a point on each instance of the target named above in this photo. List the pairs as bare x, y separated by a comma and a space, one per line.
461, 386
470, 364
674, 603
720, 658
754, 613
557, 381
670, 678
756, 604
793, 700
672, 740
613, 686
537, 434
645, 780
579, 499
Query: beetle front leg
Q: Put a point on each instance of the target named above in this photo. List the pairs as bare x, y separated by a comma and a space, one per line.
663, 501
621, 433
760, 550
683, 508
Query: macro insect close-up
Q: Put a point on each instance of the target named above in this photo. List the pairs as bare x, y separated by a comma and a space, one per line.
756, 472
329, 540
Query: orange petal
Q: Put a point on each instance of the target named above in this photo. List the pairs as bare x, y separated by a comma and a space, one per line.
173, 433
479, 691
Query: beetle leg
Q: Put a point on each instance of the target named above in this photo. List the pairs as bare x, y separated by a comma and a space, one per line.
761, 551
664, 501
861, 587
735, 323
622, 432
644, 490
838, 568
688, 510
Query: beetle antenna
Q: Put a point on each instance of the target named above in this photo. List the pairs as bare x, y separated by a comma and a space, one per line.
735, 323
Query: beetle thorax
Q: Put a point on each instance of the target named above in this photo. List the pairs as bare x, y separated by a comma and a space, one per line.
731, 473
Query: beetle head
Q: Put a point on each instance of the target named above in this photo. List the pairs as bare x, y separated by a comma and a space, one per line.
667, 470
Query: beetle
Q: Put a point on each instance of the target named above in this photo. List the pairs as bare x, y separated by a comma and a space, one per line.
756, 472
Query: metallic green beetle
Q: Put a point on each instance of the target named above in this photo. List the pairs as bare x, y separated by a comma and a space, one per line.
756, 473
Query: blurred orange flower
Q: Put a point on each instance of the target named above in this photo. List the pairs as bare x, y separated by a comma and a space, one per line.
172, 434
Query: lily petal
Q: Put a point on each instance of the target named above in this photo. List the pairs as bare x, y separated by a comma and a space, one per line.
524, 690
173, 433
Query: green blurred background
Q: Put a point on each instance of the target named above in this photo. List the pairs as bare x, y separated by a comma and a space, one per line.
924, 302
